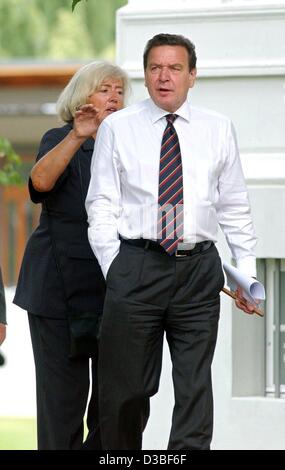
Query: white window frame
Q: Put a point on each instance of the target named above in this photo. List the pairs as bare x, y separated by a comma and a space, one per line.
274, 357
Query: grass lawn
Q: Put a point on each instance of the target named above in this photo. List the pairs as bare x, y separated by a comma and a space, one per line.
18, 434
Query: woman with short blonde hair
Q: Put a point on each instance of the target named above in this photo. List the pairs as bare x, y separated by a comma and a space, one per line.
84, 83
60, 282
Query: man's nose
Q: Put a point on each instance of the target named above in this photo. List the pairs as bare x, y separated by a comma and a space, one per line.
164, 74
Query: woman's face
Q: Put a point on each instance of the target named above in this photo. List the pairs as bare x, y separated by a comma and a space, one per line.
108, 98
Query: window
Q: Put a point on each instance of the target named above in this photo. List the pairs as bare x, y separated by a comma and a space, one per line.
272, 273
259, 343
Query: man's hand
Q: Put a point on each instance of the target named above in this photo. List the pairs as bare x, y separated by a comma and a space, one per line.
244, 304
2, 332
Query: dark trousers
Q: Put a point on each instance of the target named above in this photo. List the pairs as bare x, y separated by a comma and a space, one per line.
149, 293
62, 387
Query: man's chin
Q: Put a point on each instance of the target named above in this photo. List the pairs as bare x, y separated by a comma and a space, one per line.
166, 105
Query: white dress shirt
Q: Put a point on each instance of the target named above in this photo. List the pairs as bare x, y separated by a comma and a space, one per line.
123, 192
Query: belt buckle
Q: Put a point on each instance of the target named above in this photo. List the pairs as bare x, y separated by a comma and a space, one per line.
189, 248
179, 255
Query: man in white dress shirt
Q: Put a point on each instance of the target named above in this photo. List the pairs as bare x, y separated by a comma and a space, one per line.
164, 175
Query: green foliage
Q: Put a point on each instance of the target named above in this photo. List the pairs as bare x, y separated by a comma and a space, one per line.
74, 3
10, 163
63, 31
49, 29
23, 31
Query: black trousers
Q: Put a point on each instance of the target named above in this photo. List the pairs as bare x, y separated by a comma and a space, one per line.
62, 387
149, 293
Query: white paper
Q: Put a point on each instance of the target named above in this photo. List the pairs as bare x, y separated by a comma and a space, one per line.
252, 289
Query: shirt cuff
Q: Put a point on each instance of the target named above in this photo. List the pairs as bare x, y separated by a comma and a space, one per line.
247, 265
105, 267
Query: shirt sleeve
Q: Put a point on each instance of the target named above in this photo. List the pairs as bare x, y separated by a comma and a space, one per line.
48, 142
103, 199
233, 208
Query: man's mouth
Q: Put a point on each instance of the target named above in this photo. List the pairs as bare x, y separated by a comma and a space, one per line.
111, 110
164, 90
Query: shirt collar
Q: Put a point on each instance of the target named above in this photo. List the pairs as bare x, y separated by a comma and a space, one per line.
158, 113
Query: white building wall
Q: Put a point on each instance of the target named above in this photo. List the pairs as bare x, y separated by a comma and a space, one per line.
241, 73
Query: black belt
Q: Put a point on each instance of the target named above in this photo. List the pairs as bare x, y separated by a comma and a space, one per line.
154, 246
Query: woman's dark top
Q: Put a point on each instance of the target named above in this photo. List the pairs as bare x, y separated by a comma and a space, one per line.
59, 271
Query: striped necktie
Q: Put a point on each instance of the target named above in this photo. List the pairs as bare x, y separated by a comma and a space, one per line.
170, 194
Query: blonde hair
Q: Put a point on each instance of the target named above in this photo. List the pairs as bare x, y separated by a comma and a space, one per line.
84, 83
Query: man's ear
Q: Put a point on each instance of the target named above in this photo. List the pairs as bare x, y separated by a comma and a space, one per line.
192, 77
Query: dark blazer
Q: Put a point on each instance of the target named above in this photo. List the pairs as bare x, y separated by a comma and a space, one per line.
2, 301
59, 271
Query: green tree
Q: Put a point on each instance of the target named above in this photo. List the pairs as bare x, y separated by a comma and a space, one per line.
74, 3
23, 29
10, 163
70, 37
48, 29
100, 13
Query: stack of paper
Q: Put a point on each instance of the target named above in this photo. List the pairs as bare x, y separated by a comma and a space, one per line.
252, 289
